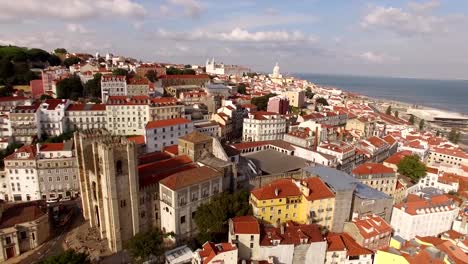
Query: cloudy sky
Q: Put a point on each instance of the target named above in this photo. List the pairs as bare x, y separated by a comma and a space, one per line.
426, 39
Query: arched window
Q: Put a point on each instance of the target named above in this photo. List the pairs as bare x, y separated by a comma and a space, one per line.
118, 167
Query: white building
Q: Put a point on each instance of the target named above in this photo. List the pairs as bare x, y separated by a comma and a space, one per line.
85, 116
127, 116
113, 86
423, 216
261, 126
447, 156
162, 133
181, 194
41, 171
221, 69
52, 116
276, 72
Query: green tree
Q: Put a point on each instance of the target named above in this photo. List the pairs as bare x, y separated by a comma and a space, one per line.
151, 75
308, 93
70, 88
211, 218
389, 110
262, 101
68, 257
412, 167
57, 139
411, 119
8, 151
70, 61
7, 69
149, 244
396, 114
60, 51
241, 88
188, 66
454, 136
421, 124
120, 71
54, 60
6, 90
92, 88
321, 101
38, 55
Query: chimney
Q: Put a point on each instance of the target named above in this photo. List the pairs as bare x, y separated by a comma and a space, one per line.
277, 190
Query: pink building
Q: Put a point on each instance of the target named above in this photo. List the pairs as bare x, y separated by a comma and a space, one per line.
37, 88
278, 104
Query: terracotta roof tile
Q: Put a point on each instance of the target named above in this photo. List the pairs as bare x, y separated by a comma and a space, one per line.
372, 168
245, 225
190, 177
167, 123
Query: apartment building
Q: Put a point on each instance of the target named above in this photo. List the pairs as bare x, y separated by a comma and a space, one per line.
371, 232
194, 144
306, 201
378, 148
343, 249
52, 116
286, 243
112, 85
49, 75
296, 98
85, 116
41, 171
261, 126
344, 152
138, 86
162, 133
423, 216
165, 108
144, 68
377, 176
278, 104
57, 170
448, 156
180, 195
127, 115
25, 123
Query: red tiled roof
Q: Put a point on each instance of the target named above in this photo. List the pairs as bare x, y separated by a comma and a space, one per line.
378, 142
372, 168
372, 226
245, 225
294, 234
416, 204
51, 147
454, 252
152, 157
190, 177
185, 76
318, 189
139, 140
354, 249
167, 123
86, 107
173, 149
28, 149
15, 214
335, 243
211, 250
284, 188
53, 103
397, 157
452, 152
389, 139
152, 173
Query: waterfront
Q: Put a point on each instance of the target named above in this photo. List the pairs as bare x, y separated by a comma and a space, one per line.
441, 94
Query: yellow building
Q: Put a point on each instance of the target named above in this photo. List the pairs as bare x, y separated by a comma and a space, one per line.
302, 201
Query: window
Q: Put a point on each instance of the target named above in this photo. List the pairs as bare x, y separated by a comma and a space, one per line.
251, 237
182, 219
23, 235
251, 245
8, 240
118, 167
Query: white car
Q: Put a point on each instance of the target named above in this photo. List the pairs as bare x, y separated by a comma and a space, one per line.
52, 200
66, 198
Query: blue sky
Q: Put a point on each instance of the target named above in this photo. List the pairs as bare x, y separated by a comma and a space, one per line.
424, 39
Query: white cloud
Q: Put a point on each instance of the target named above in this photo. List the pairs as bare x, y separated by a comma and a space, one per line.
240, 35
68, 9
425, 6
191, 8
373, 57
77, 28
407, 22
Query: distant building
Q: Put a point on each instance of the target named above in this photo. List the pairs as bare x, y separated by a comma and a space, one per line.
221, 69
52, 116
25, 123
86, 116
162, 133
377, 176
23, 227
296, 98
276, 72
278, 104
264, 126
343, 249
194, 144
112, 85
